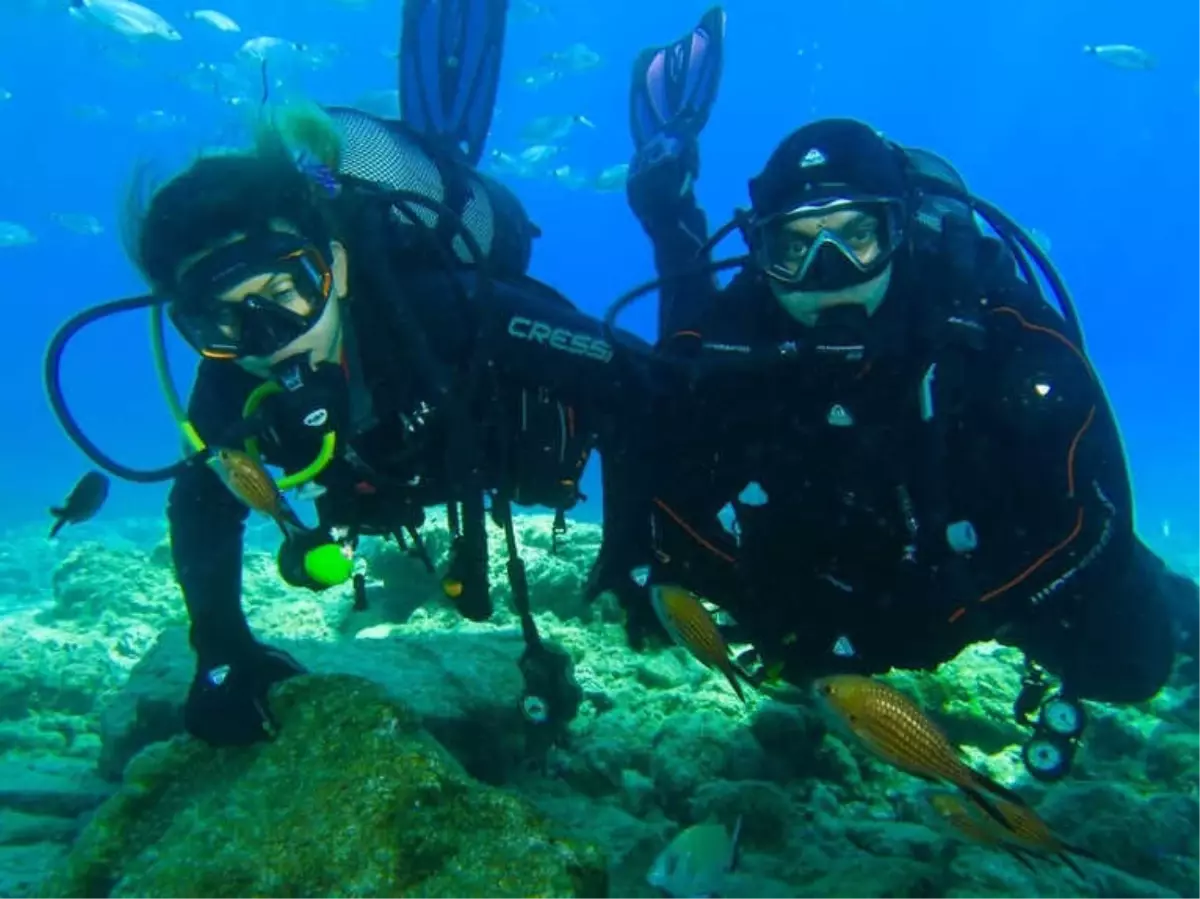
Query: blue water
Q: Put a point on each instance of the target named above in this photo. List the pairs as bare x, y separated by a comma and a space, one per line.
1103, 161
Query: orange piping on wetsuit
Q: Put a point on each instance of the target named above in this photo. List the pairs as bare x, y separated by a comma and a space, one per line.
1071, 451
691, 532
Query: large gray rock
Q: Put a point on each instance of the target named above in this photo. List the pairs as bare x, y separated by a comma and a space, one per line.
24, 867
20, 829
56, 787
464, 686
44, 801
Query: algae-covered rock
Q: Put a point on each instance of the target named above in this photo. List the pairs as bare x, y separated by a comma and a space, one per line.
972, 695
463, 686
351, 799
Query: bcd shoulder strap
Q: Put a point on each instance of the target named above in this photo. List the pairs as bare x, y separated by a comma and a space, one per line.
950, 336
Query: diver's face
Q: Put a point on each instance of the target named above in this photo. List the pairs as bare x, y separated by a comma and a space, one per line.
323, 341
859, 231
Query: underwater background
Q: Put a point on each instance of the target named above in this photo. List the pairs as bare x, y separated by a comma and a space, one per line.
1100, 162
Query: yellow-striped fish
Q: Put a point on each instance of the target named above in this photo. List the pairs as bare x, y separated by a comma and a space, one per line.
890, 725
687, 621
1023, 834
1027, 830
253, 485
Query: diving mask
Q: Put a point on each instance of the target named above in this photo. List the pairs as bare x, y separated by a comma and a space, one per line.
829, 245
292, 283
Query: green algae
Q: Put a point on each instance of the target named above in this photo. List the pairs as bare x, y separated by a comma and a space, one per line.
352, 799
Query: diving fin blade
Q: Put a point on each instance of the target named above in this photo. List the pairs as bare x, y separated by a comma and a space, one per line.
674, 87
450, 54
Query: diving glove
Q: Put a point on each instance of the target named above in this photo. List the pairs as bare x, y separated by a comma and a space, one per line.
552, 694
227, 704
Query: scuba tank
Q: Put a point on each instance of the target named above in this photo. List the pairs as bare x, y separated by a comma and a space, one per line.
393, 156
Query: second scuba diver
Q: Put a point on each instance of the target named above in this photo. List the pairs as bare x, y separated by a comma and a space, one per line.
885, 444
357, 291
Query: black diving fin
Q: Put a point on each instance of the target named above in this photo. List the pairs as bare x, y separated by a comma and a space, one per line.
674, 87
450, 52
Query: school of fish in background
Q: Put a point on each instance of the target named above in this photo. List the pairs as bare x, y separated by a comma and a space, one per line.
256, 63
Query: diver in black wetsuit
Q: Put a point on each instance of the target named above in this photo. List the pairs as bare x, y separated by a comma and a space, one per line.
885, 443
366, 323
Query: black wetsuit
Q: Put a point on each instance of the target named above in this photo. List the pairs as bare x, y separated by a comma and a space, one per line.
848, 566
393, 459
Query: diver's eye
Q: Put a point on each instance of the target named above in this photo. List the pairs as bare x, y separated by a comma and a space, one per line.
796, 248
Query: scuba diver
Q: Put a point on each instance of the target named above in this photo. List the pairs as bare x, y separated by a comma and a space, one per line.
883, 443
357, 292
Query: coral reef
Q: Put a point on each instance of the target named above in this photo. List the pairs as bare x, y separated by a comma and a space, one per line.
96, 666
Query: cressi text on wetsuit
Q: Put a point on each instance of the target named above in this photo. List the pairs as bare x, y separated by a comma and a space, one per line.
542, 360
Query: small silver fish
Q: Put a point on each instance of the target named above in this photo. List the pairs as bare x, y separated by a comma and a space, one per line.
217, 20
575, 58
549, 129
14, 235
697, 862
1122, 56
613, 177
563, 174
538, 153
262, 49
125, 17
539, 78
81, 223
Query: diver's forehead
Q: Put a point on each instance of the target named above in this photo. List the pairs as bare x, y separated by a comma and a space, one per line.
836, 221
189, 262
252, 285
279, 226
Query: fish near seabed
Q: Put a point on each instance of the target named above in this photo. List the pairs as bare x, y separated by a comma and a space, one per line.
697, 862
892, 727
958, 816
1027, 830
1025, 835
690, 625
